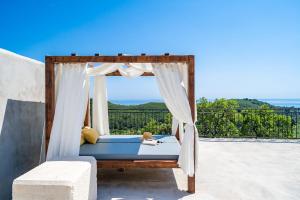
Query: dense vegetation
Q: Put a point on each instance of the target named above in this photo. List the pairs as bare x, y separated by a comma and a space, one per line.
219, 118
229, 118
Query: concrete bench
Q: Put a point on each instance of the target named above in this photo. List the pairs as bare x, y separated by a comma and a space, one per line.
58, 180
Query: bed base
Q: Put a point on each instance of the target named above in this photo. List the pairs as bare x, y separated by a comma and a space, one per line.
108, 164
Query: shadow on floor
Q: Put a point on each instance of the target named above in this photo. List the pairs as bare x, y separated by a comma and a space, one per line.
156, 184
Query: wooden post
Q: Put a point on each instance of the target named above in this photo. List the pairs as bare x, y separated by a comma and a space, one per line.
87, 114
191, 95
49, 98
177, 134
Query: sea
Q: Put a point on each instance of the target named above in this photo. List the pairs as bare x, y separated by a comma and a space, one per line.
276, 102
283, 102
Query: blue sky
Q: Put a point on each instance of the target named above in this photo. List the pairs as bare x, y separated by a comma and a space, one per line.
248, 48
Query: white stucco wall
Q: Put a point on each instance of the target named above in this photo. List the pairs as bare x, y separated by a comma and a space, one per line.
21, 78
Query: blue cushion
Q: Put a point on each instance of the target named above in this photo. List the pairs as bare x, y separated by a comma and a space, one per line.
131, 150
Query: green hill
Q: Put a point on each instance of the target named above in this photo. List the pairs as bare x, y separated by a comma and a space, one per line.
150, 105
243, 104
251, 103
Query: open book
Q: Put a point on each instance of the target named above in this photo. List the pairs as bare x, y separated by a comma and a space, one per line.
150, 142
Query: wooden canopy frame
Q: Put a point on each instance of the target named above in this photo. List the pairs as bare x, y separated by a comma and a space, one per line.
50, 61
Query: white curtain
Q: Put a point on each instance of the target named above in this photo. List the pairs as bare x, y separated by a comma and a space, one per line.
58, 74
169, 81
129, 70
100, 107
183, 70
72, 96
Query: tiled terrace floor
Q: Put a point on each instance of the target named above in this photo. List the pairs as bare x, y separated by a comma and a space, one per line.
233, 170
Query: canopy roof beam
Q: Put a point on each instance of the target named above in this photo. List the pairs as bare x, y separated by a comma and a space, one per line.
120, 59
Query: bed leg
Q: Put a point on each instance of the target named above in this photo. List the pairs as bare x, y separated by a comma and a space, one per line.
121, 169
191, 184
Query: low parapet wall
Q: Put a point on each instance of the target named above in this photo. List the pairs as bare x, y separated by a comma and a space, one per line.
21, 117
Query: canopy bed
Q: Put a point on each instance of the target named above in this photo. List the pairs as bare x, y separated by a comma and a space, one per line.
67, 108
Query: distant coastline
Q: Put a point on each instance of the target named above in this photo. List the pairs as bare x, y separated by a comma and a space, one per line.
276, 102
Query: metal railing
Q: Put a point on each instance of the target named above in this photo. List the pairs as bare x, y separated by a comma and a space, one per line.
249, 123
127, 121
243, 123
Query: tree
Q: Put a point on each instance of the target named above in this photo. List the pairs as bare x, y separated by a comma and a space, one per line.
223, 118
156, 127
217, 118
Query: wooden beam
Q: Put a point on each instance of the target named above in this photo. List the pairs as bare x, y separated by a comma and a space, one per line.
120, 59
49, 98
191, 95
108, 164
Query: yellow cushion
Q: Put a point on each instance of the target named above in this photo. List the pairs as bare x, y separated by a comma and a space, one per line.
90, 135
82, 140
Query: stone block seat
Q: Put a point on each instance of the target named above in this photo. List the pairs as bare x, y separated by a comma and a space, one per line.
65, 179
